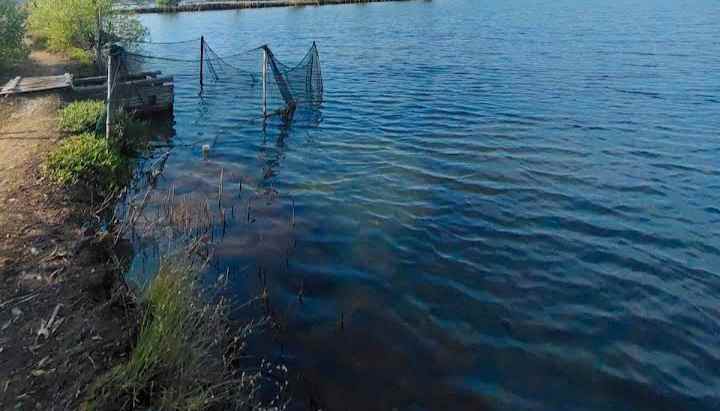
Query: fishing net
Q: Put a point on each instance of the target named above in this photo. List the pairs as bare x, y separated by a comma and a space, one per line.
282, 88
256, 79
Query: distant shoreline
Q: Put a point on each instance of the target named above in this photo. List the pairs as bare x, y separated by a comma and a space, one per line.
243, 4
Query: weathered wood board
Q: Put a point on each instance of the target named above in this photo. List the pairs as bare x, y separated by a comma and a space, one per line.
22, 85
146, 91
137, 92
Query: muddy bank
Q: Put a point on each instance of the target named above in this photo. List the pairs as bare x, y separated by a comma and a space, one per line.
236, 5
65, 315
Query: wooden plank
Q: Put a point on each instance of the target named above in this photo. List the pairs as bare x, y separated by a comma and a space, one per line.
31, 84
154, 82
10, 86
13, 83
133, 76
40, 87
48, 79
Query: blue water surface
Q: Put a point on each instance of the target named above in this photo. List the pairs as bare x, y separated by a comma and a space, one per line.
501, 205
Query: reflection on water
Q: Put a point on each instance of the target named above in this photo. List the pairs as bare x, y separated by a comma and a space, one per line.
504, 205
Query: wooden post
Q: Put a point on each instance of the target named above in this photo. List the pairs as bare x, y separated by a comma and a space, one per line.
202, 60
108, 107
264, 81
98, 53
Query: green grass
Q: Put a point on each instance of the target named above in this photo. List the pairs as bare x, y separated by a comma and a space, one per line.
82, 116
177, 363
89, 160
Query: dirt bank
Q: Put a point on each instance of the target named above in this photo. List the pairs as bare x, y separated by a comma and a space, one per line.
64, 313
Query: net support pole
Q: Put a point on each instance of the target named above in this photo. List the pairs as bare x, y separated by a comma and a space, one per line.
202, 60
98, 25
108, 107
264, 81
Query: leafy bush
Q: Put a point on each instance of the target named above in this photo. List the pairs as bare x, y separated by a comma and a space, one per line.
65, 25
89, 160
81, 56
12, 32
82, 116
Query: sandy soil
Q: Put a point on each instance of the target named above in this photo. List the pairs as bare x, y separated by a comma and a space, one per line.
27, 124
54, 268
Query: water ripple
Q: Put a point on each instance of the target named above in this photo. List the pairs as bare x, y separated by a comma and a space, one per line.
512, 205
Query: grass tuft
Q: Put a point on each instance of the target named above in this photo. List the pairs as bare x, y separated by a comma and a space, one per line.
82, 116
89, 160
177, 363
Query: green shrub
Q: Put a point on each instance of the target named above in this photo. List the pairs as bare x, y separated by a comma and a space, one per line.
89, 160
167, 3
81, 56
65, 25
82, 116
12, 33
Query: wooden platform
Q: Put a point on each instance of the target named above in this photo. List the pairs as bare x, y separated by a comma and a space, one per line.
23, 85
144, 92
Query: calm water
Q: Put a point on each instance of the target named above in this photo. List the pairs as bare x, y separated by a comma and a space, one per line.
507, 204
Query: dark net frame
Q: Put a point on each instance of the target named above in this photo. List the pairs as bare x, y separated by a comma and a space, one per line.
256, 76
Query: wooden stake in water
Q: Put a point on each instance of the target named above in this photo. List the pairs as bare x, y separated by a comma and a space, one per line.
202, 60
292, 221
108, 115
264, 82
220, 188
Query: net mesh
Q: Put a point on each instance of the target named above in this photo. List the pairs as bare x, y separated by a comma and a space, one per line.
256, 78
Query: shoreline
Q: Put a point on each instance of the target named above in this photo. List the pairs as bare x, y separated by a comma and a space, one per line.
247, 4
74, 334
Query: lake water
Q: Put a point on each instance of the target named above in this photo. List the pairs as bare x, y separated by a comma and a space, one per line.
504, 205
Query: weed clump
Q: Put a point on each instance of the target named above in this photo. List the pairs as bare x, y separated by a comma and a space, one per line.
82, 116
179, 359
89, 160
